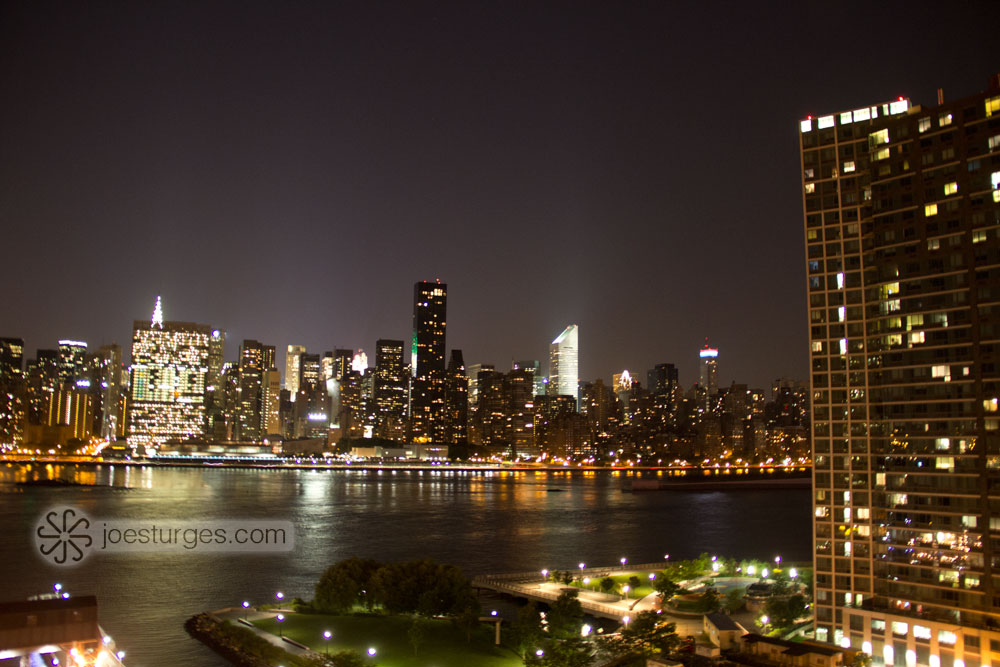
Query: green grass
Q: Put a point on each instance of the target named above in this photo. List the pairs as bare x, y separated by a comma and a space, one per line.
444, 645
634, 594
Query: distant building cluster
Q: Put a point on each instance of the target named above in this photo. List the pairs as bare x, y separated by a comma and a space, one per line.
179, 390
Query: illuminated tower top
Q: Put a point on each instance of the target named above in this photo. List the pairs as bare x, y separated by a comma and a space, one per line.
708, 357
157, 314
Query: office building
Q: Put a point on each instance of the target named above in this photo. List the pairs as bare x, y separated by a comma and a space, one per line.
708, 367
902, 210
456, 401
389, 390
216, 357
293, 369
169, 369
427, 391
251, 409
564, 366
72, 354
12, 391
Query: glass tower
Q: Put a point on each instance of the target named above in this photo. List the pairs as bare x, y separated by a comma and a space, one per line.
564, 366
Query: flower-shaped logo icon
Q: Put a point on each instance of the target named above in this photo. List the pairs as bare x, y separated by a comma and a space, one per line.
63, 536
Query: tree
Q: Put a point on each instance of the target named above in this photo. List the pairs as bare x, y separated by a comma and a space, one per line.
710, 599
781, 583
573, 652
344, 585
607, 584
526, 631
567, 577
666, 587
733, 601
634, 582
647, 635
468, 620
782, 612
423, 586
861, 659
417, 633
565, 616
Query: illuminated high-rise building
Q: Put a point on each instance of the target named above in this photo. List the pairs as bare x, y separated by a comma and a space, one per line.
72, 354
456, 401
389, 390
169, 369
12, 391
42, 377
564, 364
216, 357
270, 402
427, 391
902, 211
708, 366
251, 410
293, 369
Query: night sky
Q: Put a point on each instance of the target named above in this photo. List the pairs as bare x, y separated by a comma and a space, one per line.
286, 171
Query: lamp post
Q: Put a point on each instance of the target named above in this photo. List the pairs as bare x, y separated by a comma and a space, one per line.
246, 606
582, 566
622, 560
326, 635
625, 590
280, 618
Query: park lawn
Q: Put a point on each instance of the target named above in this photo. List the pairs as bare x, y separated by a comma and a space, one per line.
634, 594
444, 644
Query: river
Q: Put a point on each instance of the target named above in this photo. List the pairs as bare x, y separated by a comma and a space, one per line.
482, 521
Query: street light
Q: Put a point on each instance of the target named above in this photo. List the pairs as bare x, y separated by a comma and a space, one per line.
622, 561
372, 651
625, 590
279, 596
625, 620
246, 606
539, 653
280, 618
326, 635
545, 574
652, 575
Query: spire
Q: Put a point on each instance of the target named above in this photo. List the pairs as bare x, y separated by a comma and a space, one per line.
157, 314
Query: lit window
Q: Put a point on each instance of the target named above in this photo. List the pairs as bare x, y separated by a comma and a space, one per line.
806, 125
882, 154
944, 119
899, 106
810, 173
840, 281
862, 114
995, 179
941, 372
841, 314
991, 405
849, 167
810, 188
933, 244
817, 346
924, 124
930, 209
825, 122
979, 236
916, 337
880, 137
845, 118
950, 188
992, 106
921, 632
994, 142
843, 346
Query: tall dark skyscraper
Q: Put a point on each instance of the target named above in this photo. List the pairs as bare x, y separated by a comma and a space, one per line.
456, 401
427, 393
12, 391
902, 211
251, 410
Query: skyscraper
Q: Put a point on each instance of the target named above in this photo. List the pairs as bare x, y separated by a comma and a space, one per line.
456, 401
427, 393
902, 207
72, 354
564, 367
293, 368
708, 365
12, 390
251, 409
390, 390
169, 368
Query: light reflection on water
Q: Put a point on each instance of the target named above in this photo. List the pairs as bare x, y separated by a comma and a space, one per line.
487, 521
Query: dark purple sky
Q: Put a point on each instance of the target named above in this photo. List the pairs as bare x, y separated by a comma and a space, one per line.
287, 171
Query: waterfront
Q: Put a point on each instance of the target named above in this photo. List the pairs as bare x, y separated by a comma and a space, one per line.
483, 521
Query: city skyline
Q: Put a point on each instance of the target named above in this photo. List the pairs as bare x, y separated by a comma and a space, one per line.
601, 166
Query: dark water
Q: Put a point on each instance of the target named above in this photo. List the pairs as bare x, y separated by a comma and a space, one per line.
484, 522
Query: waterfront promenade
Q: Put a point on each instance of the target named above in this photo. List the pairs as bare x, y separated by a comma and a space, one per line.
534, 586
